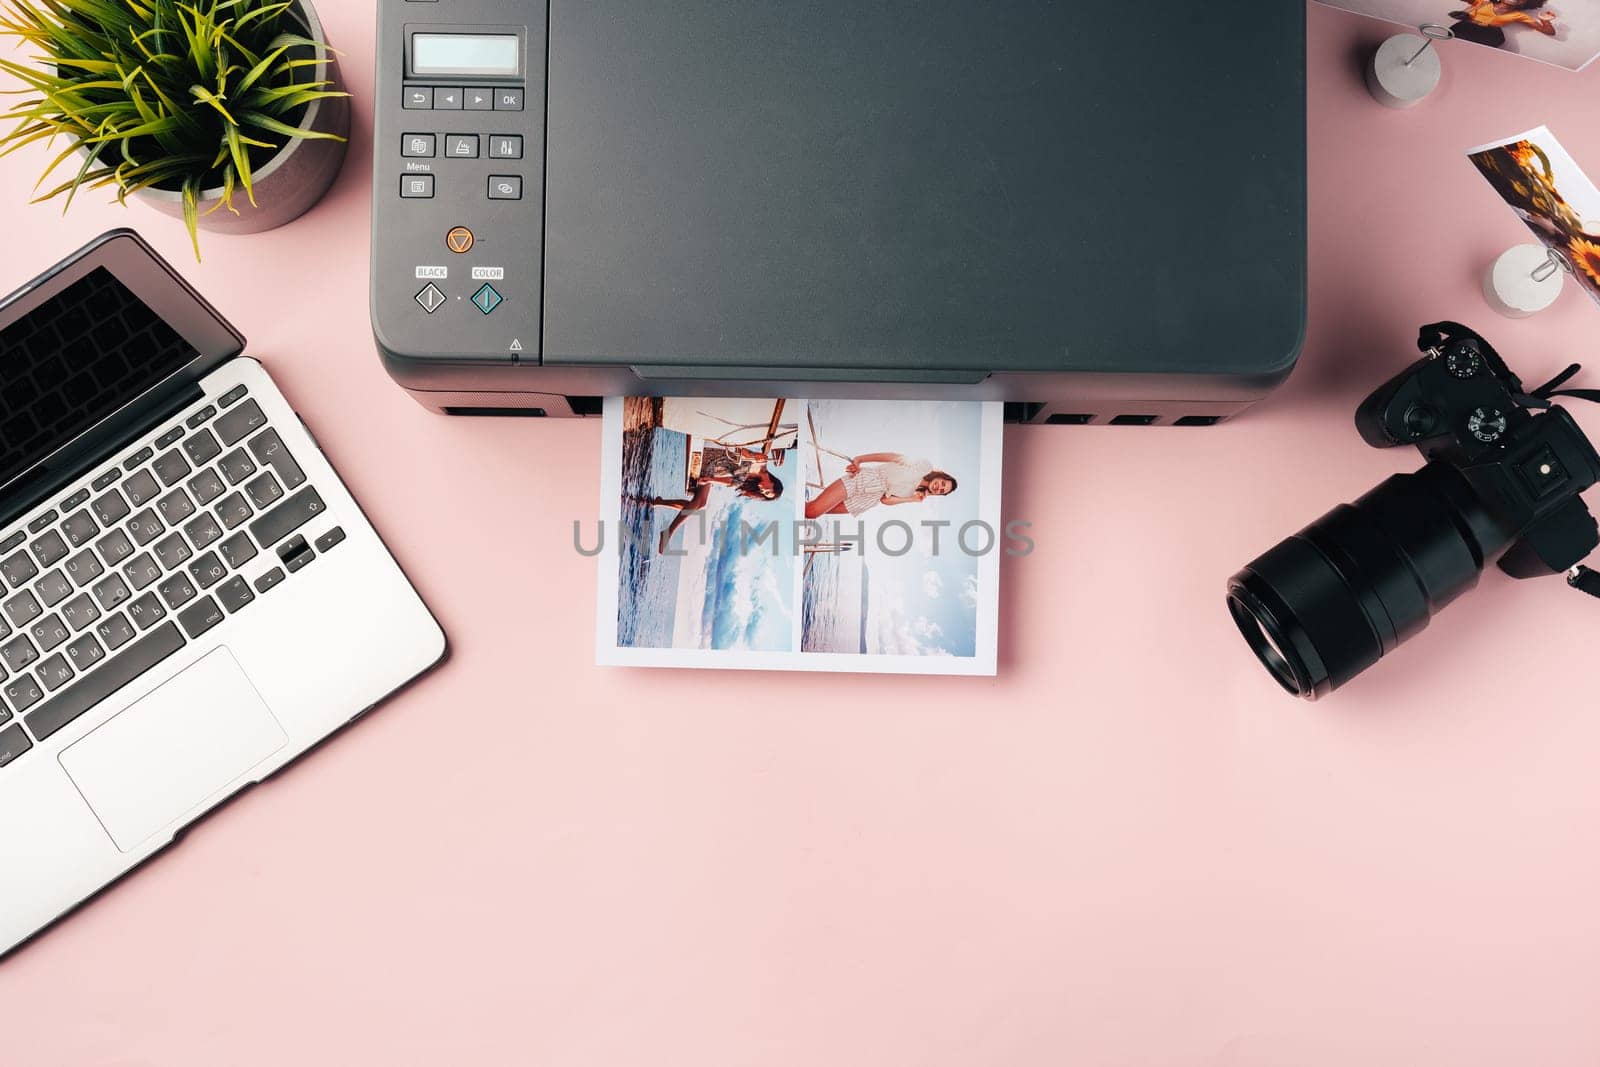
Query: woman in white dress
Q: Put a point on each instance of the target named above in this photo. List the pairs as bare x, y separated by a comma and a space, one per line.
880, 478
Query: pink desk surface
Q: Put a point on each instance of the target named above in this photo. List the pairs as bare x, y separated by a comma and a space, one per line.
1128, 849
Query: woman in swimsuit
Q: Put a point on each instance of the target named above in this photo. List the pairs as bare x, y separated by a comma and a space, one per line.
880, 478
1484, 21
749, 478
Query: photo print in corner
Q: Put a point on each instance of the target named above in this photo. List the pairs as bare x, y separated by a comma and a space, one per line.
1564, 33
1552, 196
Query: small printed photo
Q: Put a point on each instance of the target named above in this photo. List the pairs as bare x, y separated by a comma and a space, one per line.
1565, 33
901, 564
1552, 196
787, 534
704, 528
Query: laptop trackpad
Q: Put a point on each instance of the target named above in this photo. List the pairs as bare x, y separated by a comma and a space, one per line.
163, 756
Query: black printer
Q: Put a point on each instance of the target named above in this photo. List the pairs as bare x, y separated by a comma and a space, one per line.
1092, 211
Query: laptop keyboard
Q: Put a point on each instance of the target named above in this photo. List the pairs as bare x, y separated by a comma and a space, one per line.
146, 557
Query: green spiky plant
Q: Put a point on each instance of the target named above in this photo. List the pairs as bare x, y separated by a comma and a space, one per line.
186, 97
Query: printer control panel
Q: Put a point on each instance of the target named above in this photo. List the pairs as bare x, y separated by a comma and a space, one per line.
458, 179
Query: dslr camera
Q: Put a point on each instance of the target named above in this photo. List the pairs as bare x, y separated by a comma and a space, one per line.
1505, 467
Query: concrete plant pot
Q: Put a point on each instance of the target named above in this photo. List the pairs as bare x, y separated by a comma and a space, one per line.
294, 179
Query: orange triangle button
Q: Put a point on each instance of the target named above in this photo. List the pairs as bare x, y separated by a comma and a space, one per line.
459, 240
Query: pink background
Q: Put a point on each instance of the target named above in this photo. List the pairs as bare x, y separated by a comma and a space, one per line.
1128, 849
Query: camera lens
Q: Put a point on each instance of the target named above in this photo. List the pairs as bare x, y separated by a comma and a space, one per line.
1332, 600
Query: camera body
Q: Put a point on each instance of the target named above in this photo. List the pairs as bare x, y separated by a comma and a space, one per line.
1502, 482
1461, 405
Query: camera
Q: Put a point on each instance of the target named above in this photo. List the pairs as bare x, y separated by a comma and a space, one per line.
1504, 471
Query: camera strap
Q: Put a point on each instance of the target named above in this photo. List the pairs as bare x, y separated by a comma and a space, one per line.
1585, 580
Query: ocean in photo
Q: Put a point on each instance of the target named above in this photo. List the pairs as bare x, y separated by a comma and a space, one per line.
653, 464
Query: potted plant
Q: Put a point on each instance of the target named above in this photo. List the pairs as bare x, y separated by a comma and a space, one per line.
226, 113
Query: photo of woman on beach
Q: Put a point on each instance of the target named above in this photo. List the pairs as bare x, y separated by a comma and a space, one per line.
895, 570
879, 478
1563, 32
696, 475
791, 534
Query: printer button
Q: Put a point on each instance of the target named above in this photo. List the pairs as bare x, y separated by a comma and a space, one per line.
508, 100
430, 298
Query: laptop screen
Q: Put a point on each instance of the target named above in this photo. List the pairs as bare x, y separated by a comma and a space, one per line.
74, 360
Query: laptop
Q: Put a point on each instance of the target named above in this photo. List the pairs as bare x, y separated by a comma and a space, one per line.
189, 596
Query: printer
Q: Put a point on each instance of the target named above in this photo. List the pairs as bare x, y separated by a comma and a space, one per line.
1094, 212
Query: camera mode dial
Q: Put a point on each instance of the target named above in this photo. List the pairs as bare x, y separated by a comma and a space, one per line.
1463, 359
1487, 425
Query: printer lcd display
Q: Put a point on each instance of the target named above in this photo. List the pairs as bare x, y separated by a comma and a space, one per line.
478, 55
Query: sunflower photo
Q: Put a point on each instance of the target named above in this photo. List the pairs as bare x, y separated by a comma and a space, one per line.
1552, 196
1564, 33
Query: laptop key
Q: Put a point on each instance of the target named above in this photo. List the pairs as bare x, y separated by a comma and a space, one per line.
264, 490
18, 569
232, 396
23, 693
133, 461
202, 448
18, 653
146, 611
53, 588
48, 632
177, 590
234, 593
73, 501
171, 467
236, 466
175, 507
172, 551
141, 488
233, 510
233, 425
13, 743
142, 570
203, 530
115, 631
329, 539
85, 652
84, 568
22, 609
108, 478
208, 570
114, 547
12, 541
79, 612
269, 579
287, 517
112, 508
79, 528
269, 451
145, 527
201, 616
49, 549
54, 672
200, 416
169, 437
207, 486
238, 550
111, 591
111, 676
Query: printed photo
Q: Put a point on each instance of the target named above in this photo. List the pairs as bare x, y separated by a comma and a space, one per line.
1565, 33
1552, 195
788, 534
906, 560
694, 476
